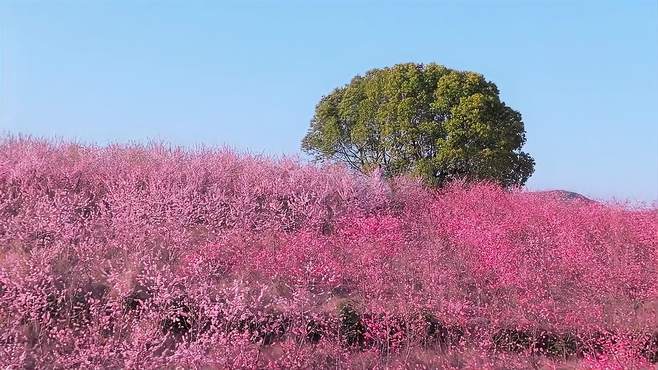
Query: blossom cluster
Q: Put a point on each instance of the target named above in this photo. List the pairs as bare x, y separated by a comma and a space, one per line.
151, 256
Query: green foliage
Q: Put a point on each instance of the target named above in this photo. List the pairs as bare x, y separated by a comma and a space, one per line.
650, 348
425, 120
512, 340
352, 329
552, 344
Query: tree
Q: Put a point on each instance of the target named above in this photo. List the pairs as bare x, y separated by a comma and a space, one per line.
427, 120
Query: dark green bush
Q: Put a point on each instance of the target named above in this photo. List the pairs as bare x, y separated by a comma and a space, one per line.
556, 345
650, 348
512, 340
314, 331
352, 330
179, 318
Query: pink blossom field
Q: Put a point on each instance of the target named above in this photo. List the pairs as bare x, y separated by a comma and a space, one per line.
147, 256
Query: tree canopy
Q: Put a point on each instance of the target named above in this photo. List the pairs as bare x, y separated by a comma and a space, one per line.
422, 119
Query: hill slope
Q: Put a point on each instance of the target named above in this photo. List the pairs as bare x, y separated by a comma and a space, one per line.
148, 256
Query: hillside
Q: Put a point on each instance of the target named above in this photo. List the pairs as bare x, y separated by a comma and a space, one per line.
146, 256
564, 195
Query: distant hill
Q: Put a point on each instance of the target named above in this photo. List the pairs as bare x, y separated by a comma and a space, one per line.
565, 195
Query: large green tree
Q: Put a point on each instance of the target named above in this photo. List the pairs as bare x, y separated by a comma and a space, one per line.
428, 120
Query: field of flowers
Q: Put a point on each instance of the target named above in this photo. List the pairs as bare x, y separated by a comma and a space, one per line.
151, 257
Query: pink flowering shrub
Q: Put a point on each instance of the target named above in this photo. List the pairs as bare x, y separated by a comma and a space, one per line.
148, 256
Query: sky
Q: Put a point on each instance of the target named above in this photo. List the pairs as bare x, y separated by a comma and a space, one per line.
247, 74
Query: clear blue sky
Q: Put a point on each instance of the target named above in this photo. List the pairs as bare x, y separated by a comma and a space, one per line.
584, 74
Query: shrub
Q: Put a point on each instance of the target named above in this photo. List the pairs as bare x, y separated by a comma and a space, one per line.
352, 330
